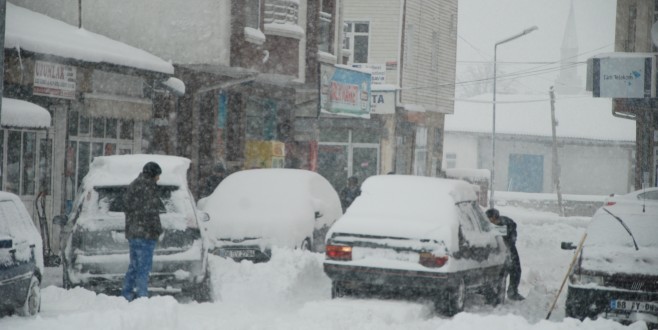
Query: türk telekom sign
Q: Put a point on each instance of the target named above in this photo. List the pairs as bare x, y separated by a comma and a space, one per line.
621, 75
54, 80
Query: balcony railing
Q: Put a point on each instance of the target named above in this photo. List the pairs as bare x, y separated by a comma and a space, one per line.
281, 11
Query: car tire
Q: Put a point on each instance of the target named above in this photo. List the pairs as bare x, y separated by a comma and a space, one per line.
32, 304
452, 300
203, 292
337, 290
306, 245
495, 293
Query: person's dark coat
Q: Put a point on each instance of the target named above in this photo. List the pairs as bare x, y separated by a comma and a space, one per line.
142, 207
348, 195
510, 238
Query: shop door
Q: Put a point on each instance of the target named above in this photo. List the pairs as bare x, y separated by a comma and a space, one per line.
364, 161
332, 164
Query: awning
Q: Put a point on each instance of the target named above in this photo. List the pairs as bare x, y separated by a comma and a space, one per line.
23, 114
120, 107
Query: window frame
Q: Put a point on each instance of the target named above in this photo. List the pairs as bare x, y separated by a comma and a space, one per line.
349, 34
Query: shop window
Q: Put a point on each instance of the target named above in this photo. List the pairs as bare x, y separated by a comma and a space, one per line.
21, 163
127, 128
84, 154
420, 151
111, 128
84, 125
99, 127
73, 122
45, 154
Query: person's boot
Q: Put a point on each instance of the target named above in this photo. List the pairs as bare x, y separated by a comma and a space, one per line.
515, 296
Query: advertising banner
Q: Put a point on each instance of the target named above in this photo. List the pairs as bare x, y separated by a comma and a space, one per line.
378, 71
344, 91
54, 80
620, 76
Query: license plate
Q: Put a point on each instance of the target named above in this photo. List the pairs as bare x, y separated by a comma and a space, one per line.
634, 306
237, 253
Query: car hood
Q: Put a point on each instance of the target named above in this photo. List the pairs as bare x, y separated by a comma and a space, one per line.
620, 260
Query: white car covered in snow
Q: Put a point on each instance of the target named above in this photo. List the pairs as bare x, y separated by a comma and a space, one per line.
416, 236
21, 258
252, 211
95, 250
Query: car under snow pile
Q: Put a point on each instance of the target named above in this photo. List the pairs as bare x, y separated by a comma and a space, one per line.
419, 237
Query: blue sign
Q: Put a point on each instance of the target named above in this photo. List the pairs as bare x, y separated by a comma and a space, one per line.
345, 91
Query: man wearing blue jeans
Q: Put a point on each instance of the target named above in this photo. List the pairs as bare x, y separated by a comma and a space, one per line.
142, 207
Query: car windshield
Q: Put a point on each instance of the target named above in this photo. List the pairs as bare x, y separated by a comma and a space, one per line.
605, 230
109, 198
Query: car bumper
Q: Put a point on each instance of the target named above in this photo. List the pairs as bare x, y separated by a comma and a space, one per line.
106, 272
238, 253
389, 279
593, 302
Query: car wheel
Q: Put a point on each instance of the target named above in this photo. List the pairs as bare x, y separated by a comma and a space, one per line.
306, 245
202, 292
452, 300
32, 303
495, 293
337, 290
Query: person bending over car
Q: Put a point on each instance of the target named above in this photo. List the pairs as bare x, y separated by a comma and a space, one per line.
142, 207
513, 263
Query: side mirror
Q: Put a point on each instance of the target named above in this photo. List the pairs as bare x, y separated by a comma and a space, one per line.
6, 243
567, 246
318, 214
204, 216
60, 220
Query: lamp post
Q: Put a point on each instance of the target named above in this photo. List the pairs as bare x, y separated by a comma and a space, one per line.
493, 129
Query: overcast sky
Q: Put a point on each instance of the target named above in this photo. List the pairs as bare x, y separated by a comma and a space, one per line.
483, 23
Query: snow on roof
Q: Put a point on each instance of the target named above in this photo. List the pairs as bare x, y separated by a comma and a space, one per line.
468, 173
578, 117
18, 113
39, 33
123, 169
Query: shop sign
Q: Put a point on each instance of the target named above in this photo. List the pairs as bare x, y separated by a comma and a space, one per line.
344, 91
620, 76
377, 71
54, 80
382, 102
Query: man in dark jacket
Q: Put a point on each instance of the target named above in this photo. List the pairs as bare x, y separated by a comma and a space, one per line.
513, 264
142, 207
350, 192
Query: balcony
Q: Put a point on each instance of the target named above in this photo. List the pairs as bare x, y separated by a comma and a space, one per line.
281, 18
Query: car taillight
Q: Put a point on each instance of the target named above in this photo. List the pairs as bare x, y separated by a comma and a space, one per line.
610, 203
339, 252
427, 259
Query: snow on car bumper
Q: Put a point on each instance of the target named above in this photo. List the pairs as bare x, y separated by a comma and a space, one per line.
173, 271
598, 301
392, 278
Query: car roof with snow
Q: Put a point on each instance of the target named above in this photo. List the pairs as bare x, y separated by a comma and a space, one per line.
406, 206
123, 169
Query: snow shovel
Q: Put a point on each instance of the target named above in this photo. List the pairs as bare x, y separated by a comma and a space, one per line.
573, 262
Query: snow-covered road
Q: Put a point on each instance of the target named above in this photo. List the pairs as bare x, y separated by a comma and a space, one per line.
292, 292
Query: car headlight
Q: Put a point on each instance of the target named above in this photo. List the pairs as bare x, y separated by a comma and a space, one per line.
583, 279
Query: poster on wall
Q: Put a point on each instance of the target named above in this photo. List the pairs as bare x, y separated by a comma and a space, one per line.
344, 91
621, 76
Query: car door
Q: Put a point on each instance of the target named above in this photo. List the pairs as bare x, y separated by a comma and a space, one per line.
17, 260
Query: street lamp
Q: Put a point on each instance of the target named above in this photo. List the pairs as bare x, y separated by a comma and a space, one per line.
493, 130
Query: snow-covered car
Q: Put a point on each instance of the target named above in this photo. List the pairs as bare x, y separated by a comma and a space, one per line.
94, 249
21, 258
646, 197
616, 273
252, 211
417, 236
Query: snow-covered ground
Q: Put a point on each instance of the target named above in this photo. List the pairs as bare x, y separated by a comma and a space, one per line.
292, 292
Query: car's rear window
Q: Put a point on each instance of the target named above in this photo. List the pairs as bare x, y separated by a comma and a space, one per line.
110, 198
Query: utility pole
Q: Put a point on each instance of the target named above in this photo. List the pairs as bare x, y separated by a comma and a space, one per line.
556, 165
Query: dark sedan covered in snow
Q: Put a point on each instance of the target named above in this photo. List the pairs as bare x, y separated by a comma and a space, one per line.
418, 236
616, 273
